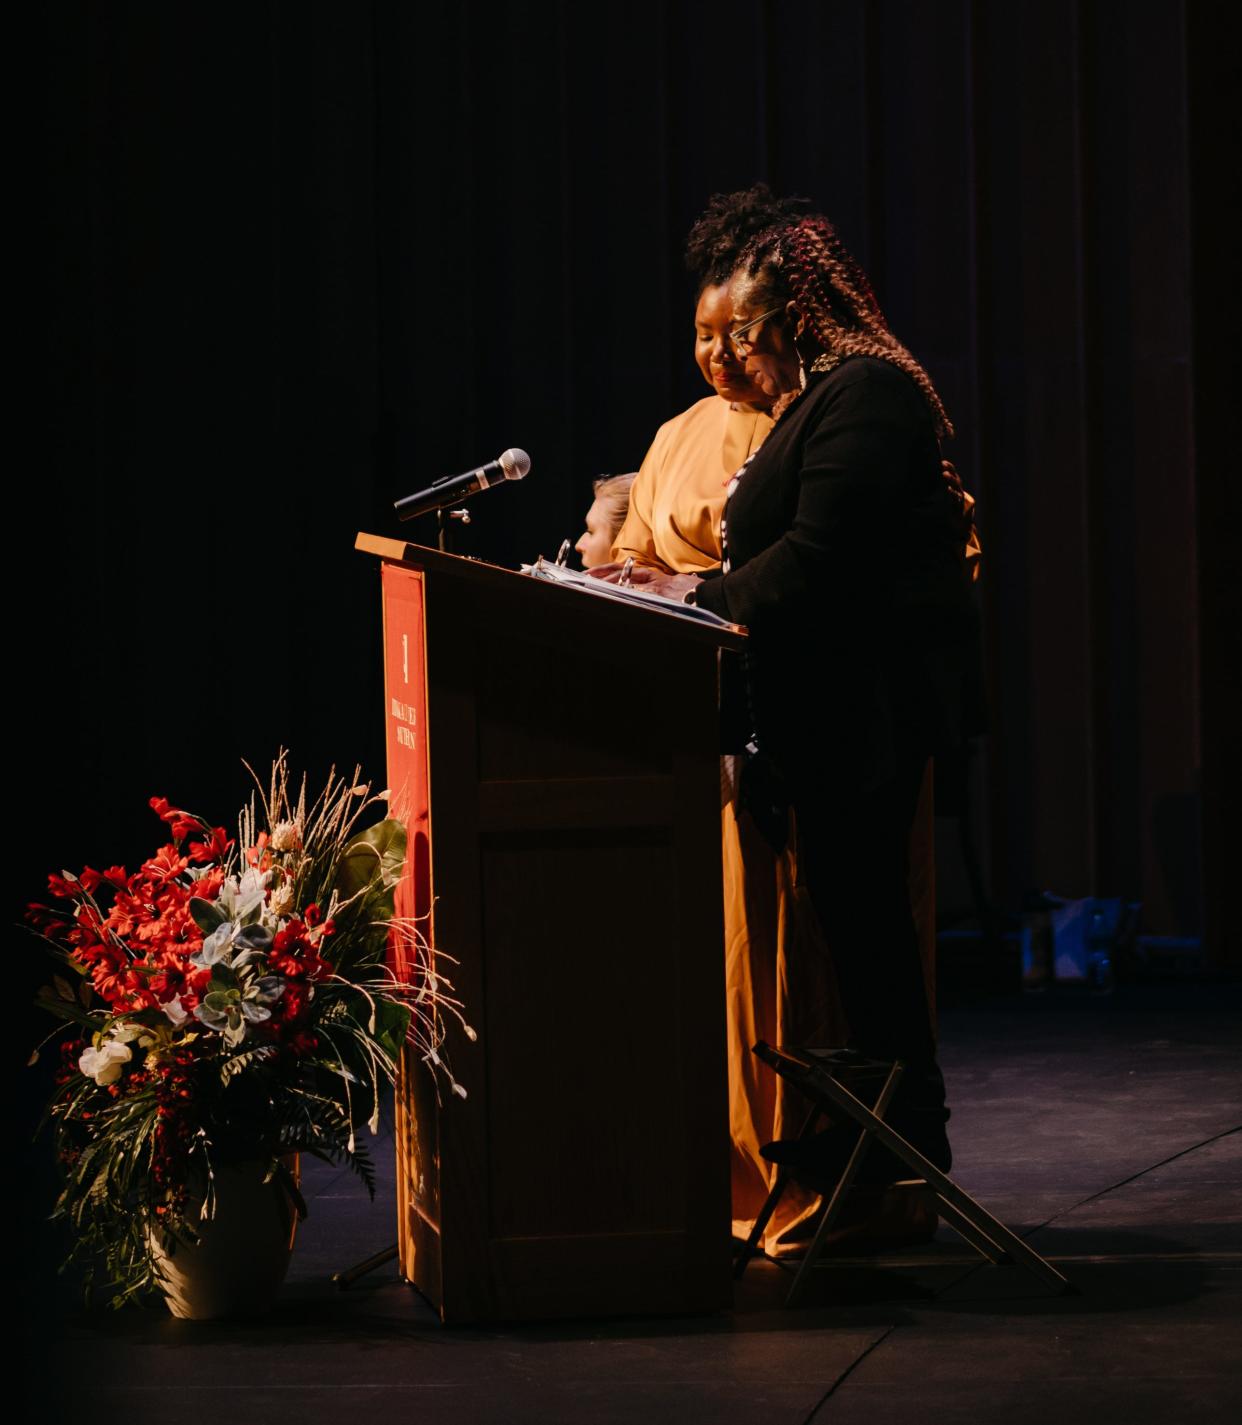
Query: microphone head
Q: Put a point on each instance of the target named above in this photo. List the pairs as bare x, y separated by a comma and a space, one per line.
515, 463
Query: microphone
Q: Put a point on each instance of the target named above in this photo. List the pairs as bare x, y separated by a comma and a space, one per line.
512, 465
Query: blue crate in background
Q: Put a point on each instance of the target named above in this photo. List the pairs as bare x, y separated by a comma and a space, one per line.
1075, 942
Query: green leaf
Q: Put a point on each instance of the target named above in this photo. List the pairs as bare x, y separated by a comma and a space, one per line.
391, 1022
48, 999
221, 1000
63, 988
208, 915
290, 1186
240, 1062
374, 857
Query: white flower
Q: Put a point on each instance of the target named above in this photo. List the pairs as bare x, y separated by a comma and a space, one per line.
239, 895
280, 902
104, 1064
286, 836
127, 1033
176, 1012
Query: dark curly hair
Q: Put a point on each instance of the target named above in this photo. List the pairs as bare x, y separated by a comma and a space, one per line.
806, 262
728, 223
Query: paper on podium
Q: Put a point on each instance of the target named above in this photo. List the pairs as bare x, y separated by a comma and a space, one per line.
628, 593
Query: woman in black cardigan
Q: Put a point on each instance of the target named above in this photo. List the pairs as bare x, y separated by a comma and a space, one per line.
844, 558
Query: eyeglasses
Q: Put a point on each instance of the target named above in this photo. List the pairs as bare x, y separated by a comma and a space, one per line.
744, 348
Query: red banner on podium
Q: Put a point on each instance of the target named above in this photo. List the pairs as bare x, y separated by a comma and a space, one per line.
405, 698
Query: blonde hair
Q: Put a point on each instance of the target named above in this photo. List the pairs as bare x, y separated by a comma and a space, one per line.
613, 494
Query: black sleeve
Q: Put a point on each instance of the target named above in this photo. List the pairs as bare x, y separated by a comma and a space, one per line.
853, 462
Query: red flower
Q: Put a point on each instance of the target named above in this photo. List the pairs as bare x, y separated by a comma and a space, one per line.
44, 919
84, 934
168, 984
88, 951
207, 887
214, 850
150, 928
165, 864
155, 917
303, 1042
257, 854
174, 936
65, 888
290, 939
181, 822
305, 966
293, 954
89, 919
111, 973
294, 1001
125, 914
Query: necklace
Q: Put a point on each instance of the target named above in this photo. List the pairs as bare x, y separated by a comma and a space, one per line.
825, 361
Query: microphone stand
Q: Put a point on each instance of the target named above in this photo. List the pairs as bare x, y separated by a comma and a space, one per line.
444, 524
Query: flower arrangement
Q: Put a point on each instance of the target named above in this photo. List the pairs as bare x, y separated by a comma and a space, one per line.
223, 1005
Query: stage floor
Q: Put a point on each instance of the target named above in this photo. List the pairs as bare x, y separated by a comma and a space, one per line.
1106, 1130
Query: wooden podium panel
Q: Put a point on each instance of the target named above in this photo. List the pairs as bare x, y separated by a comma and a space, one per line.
572, 845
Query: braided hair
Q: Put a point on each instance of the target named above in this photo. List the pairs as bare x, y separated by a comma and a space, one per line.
806, 262
728, 223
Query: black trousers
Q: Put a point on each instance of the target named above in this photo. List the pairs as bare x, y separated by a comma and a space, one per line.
853, 857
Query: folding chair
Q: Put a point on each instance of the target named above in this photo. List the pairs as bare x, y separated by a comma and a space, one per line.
822, 1076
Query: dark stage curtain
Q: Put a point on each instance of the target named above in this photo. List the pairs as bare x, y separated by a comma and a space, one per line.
306, 258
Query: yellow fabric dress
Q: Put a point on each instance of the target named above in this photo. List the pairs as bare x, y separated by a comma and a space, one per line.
677, 497
778, 976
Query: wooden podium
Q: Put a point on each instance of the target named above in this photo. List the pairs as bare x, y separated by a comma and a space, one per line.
554, 755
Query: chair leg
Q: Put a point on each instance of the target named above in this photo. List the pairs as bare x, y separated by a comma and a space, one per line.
971, 1234
773, 1198
844, 1183
945, 1188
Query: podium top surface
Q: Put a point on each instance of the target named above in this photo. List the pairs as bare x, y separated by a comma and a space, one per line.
508, 582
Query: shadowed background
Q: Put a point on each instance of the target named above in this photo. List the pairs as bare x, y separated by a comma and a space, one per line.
306, 259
